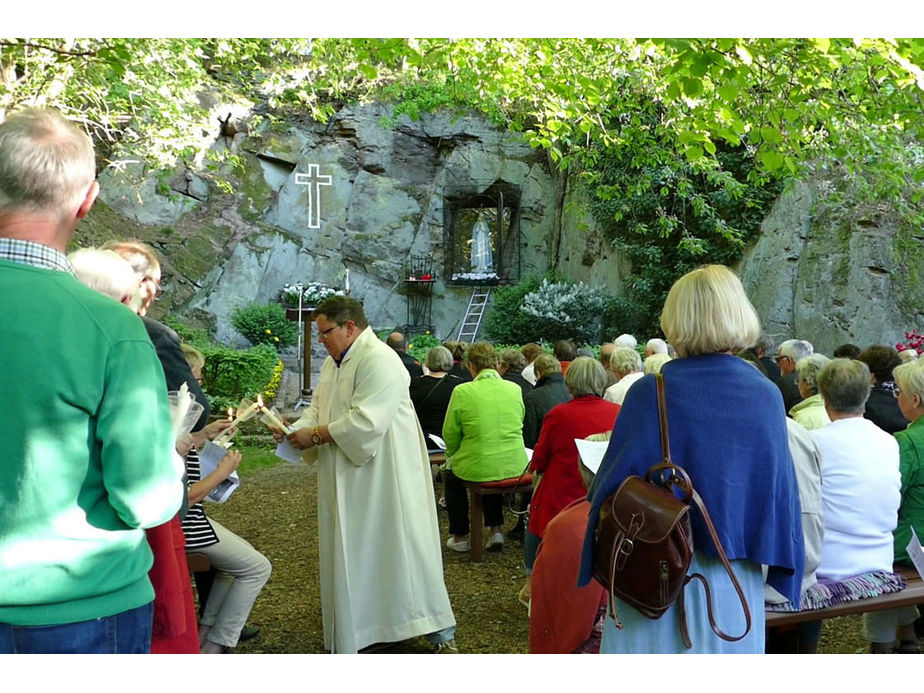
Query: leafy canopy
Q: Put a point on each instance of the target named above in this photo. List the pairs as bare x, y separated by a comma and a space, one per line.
789, 100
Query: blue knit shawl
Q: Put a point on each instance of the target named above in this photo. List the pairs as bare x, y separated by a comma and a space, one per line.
727, 430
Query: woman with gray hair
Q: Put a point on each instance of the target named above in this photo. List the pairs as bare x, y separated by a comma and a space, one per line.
728, 432
430, 393
860, 481
885, 627
810, 412
556, 478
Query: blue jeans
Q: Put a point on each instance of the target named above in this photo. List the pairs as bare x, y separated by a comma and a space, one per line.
126, 633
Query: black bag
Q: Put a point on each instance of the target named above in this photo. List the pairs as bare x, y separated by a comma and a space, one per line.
643, 546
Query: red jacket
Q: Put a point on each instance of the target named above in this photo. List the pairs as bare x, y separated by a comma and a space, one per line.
556, 456
562, 615
175, 629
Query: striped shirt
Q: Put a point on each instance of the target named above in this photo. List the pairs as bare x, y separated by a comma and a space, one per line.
196, 526
34, 254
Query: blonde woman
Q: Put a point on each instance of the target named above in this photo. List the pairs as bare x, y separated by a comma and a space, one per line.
728, 431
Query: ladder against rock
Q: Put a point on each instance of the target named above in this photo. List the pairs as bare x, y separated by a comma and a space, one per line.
468, 330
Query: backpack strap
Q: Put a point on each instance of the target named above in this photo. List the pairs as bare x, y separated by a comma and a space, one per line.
728, 569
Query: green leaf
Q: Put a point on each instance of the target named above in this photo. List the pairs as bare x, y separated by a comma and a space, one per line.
772, 160
728, 92
770, 135
692, 87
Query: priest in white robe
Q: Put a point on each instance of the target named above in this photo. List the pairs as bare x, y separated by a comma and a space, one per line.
381, 565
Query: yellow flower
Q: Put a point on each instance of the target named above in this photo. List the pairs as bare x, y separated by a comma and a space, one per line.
269, 332
410, 346
276, 339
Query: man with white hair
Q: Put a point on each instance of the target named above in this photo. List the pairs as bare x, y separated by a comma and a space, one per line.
655, 346
626, 340
107, 272
86, 440
788, 355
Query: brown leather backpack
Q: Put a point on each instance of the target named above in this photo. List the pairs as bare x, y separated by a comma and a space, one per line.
644, 545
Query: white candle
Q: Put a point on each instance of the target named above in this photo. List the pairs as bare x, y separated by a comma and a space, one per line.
346, 281
269, 417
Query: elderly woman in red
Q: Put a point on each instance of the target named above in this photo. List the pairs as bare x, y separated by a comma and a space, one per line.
555, 459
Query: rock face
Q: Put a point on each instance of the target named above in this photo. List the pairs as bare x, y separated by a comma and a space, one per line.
833, 274
308, 201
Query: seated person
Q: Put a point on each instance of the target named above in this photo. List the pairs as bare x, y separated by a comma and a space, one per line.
810, 412
564, 618
565, 352
802, 638
430, 393
531, 352
860, 479
457, 349
549, 391
883, 626
882, 407
510, 365
626, 365
654, 363
483, 431
242, 570
556, 480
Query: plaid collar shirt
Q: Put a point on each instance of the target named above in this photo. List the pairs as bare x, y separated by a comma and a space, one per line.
35, 254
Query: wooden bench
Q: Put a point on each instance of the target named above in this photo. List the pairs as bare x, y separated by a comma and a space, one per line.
912, 595
476, 492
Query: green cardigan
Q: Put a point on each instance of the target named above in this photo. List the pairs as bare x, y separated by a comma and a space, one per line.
87, 451
483, 429
911, 510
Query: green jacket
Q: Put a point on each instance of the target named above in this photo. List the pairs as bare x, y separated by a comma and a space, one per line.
911, 510
86, 451
483, 429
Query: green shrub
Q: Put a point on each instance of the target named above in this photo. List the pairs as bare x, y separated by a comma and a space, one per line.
231, 374
547, 310
504, 322
265, 324
420, 344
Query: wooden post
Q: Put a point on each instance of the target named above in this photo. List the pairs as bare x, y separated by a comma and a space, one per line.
292, 314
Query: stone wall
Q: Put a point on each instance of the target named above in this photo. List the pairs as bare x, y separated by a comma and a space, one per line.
834, 274
820, 272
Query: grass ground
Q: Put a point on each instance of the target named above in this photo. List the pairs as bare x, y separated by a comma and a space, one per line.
275, 509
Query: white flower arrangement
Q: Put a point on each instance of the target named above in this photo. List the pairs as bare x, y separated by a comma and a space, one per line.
312, 293
576, 307
475, 277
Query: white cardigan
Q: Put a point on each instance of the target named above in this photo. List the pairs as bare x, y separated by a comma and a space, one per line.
861, 492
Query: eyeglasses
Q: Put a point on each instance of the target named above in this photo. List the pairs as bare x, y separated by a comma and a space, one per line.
323, 333
896, 393
780, 357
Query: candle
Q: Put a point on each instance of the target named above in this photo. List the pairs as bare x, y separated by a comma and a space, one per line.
246, 411
270, 418
346, 281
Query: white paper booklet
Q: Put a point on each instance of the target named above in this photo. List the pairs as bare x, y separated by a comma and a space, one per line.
916, 552
209, 457
223, 491
288, 452
591, 452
